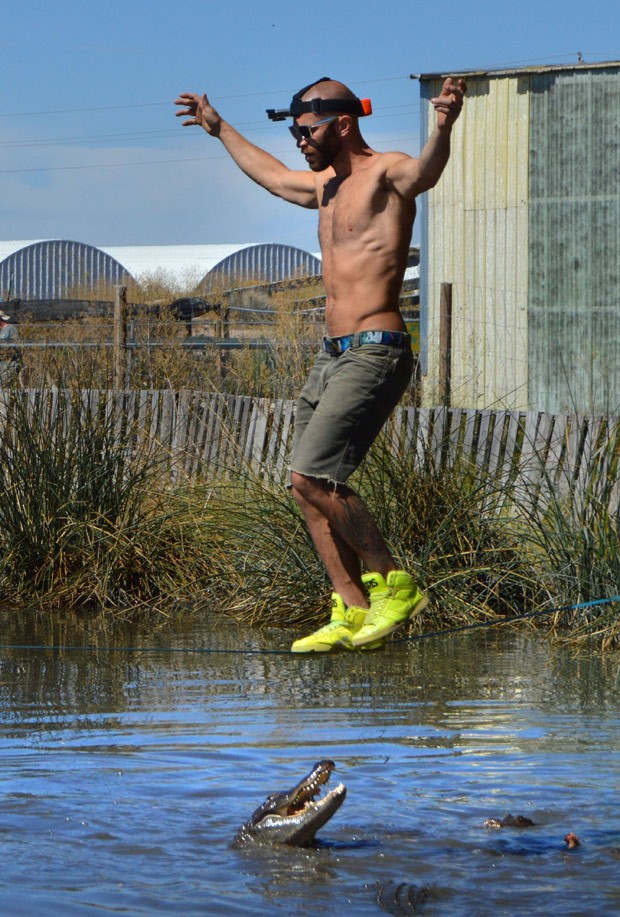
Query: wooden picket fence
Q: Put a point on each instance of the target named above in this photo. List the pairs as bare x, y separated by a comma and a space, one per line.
534, 455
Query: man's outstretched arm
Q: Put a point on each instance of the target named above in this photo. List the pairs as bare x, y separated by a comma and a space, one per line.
294, 186
411, 177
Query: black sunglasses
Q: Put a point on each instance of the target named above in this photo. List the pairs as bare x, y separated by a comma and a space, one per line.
306, 131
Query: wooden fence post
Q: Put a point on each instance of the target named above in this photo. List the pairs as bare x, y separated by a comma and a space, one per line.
120, 336
445, 344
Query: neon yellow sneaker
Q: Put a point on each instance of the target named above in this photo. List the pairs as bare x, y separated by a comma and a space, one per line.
337, 635
392, 603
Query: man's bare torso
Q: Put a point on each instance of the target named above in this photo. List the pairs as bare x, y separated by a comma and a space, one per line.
365, 230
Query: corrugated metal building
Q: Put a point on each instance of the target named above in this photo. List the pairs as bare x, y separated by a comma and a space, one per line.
53, 268
525, 225
48, 268
264, 263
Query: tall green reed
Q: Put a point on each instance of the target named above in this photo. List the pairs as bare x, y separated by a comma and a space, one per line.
574, 537
85, 518
450, 527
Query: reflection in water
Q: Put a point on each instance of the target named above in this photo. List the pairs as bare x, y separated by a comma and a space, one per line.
130, 760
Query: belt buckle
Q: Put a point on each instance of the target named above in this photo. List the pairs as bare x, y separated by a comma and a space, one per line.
372, 337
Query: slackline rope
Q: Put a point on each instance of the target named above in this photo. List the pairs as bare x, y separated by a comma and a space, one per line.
250, 652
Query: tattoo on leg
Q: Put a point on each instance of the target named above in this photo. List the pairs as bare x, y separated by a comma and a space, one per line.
359, 528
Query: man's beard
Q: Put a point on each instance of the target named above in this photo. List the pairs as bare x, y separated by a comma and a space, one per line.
323, 156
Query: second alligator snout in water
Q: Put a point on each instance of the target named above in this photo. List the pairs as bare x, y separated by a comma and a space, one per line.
509, 821
294, 816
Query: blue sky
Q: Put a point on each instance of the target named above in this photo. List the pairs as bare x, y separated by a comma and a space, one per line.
89, 146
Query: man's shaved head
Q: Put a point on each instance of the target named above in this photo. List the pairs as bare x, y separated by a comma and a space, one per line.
329, 89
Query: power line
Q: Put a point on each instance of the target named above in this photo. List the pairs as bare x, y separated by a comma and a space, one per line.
150, 162
224, 98
391, 111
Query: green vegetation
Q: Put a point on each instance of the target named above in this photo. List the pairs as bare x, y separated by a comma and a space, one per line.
91, 516
84, 520
94, 515
576, 540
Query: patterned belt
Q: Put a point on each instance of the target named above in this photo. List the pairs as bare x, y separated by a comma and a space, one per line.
392, 338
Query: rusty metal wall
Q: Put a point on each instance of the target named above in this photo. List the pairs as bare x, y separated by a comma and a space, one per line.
574, 264
475, 236
525, 224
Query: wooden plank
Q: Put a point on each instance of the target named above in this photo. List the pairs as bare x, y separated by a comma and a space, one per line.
496, 443
411, 421
528, 463
277, 411
439, 434
218, 406
281, 458
590, 442
614, 490
511, 447
257, 434
201, 412
240, 441
179, 433
229, 410
482, 440
455, 439
218, 412
556, 453
575, 435
471, 422
395, 429
542, 484
155, 400
422, 441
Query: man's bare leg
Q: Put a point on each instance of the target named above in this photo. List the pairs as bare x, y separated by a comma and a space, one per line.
344, 534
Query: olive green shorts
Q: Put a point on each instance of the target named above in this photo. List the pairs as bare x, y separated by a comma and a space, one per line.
344, 404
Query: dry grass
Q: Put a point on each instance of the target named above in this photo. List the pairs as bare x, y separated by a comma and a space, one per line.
266, 341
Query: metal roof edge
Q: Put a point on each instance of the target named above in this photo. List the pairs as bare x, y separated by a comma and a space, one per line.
509, 71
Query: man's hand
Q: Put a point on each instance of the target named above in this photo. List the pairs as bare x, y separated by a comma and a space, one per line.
448, 105
198, 110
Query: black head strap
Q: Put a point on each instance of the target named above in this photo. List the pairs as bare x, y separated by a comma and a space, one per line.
318, 106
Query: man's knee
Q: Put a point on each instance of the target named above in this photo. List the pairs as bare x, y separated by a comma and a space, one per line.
303, 486
313, 490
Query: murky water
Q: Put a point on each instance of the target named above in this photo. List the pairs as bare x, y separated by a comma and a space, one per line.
128, 765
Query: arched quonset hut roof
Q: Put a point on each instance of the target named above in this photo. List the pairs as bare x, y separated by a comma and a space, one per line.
186, 264
51, 268
263, 263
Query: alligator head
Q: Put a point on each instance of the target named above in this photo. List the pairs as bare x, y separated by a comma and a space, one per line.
294, 817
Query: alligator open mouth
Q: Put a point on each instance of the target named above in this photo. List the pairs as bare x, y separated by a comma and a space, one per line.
294, 816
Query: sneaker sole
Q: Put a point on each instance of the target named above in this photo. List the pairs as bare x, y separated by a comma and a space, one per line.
389, 628
325, 648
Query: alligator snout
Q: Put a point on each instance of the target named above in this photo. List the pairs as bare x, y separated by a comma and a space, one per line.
294, 816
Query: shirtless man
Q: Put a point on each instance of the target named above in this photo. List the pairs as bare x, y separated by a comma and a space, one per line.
366, 204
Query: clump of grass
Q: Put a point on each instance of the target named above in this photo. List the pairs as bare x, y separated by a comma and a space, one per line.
575, 536
91, 516
263, 567
84, 517
451, 531
443, 527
